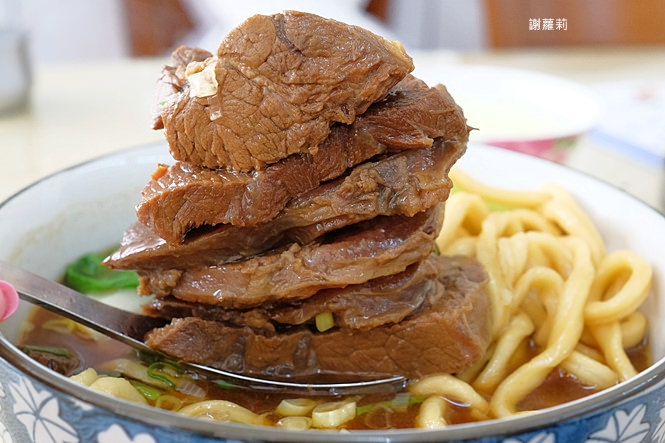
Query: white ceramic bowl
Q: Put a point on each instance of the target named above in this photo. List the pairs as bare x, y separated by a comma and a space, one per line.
87, 207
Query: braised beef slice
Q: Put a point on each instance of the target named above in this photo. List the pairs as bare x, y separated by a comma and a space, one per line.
185, 196
411, 116
405, 183
282, 80
446, 336
172, 81
375, 248
377, 302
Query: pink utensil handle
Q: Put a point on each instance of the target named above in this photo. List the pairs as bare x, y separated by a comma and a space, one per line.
8, 300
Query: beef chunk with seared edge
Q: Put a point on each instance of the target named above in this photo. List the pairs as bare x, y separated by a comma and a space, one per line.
185, 196
446, 336
405, 183
383, 300
274, 88
375, 248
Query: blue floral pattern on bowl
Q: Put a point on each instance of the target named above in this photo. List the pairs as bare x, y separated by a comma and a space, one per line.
32, 412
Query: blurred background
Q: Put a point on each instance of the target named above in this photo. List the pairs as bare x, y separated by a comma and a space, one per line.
577, 81
81, 29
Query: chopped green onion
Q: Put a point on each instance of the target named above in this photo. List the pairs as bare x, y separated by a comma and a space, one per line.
170, 364
151, 357
148, 357
224, 384
149, 392
437, 251
62, 352
162, 378
160, 364
416, 399
88, 274
401, 402
360, 410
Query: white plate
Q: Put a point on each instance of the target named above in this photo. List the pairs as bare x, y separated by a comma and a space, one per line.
513, 105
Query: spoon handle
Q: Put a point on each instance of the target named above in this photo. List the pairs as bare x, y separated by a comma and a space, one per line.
131, 328
125, 326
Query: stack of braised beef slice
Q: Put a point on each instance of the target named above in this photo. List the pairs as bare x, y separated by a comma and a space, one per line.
294, 234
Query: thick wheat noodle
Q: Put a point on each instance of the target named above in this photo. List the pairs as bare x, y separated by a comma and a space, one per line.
609, 339
513, 257
590, 352
431, 413
607, 308
524, 199
563, 210
549, 251
633, 329
547, 283
461, 246
545, 276
633, 332
603, 309
498, 258
550, 301
537, 312
520, 327
487, 253
566, 330
548, 268
451, 387
590, 371
515, 254
470, 212
469, 374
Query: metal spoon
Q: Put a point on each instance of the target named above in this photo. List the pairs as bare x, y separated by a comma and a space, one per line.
130, 328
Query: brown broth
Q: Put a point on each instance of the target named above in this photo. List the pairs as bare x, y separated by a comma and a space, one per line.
558, 387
